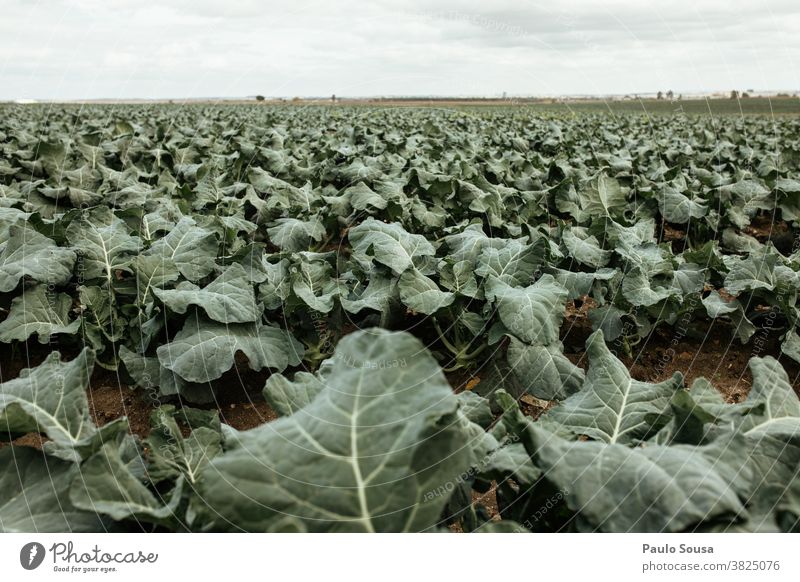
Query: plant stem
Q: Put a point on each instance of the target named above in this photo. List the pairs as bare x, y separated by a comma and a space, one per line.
444, 339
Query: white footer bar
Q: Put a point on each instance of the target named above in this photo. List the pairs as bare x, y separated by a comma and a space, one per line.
410, 558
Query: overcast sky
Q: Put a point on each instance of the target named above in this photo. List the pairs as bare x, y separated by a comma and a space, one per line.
71, 49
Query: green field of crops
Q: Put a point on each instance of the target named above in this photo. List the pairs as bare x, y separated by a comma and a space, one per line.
395, 285
776, 106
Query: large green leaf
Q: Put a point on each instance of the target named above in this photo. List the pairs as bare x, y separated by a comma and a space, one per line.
362, 197
38, 311
367, 454
515, 263
772, 429
34, 494
756, 271
585, 248
678, 208
31, 254
312, 279
113, 482
468, 244
603, 196
280, 193
388, 244
421, 293
276, 285
611, 406
173, 455
544, 371
652, 489
151, 272
640, 291
190, 248
716, 306
51, 398
288, 396
230, 298
378, 294
460, 278
772, 389
204, 350
291, 234
103, 243
533, 314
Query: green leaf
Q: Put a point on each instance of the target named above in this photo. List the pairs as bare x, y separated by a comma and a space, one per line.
204, 350
468, 244
611, 406
771, 387
111, 482
544, 371
751, 273
103, 243
476, 409
534, 314
362, 197
34, 494
276, 286
678, 208
191, 249
281, 193
377, 295
608, 319
230, 298
460, 278
313, 281
144, 370
101, 321
772, 436
651, 489
51, 398
151, 273
30, 254
363, 441
422, 294
638, 290
603, 196
716, 306
791, 345
287, 397
38, 311
515, 263
172, 455
388, 244
291, 234
585, 248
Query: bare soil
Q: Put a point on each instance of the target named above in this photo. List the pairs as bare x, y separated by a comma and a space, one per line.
705, 348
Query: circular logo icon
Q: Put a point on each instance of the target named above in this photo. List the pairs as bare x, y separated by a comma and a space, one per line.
31, 555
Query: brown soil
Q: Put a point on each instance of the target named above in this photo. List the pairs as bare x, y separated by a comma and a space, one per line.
247, 415
703, 348
109, 400
766, 227
488, 500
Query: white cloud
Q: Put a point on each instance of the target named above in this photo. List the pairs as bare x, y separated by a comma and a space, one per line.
194, 48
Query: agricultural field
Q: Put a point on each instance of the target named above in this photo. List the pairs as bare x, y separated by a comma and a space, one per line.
378, 319
771, 106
